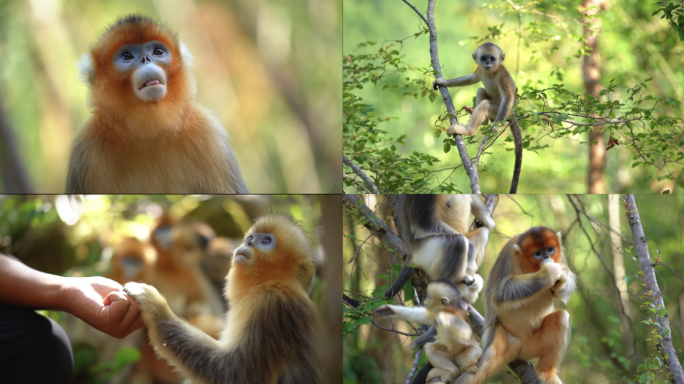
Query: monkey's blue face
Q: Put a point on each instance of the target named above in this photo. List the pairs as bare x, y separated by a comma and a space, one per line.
254, 243
146, 62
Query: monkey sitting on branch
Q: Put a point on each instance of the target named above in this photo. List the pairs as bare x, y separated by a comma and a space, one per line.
520, 323
494, 101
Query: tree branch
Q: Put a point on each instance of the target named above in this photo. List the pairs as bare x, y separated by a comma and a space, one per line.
362, 174
523, 369
470, 167
649, 278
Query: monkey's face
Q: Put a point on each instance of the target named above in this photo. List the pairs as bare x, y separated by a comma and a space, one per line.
255, 245
145, 63
488, 58
539, 245
443, 296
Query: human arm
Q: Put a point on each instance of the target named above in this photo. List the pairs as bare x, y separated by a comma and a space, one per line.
98, 301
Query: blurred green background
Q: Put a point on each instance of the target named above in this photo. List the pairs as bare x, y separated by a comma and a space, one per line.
266, 68
602, 348
633, 46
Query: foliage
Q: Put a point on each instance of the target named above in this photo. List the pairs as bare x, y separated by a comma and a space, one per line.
638, 117
372, 148
674, 13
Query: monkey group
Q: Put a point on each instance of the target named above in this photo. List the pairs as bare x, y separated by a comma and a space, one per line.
520, 322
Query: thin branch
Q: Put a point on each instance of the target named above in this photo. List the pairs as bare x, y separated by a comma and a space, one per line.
415, 365
470, 167
361, 174
649, 278
353, 180
419, 14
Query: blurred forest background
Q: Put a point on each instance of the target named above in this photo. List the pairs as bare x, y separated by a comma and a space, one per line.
264, 67
392, 134
180, 244
603, 346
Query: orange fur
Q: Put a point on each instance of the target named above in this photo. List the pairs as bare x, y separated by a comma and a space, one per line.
519, 318
274, 268
171, 145
132, 250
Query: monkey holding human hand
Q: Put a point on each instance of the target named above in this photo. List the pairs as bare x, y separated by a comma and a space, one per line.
436, 230
269, 332
520, 323
454, 348
147, 133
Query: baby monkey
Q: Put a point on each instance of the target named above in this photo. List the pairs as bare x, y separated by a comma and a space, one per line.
495, 100
454, 349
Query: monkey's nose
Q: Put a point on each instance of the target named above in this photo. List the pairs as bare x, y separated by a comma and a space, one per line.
145, 59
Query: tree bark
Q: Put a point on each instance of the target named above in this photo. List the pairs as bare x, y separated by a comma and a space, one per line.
592, 76
649, 278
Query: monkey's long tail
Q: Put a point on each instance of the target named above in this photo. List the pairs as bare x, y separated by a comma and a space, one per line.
517, 140
421, 376
398, 284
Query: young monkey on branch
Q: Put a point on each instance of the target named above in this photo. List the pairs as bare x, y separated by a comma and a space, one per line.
495, 100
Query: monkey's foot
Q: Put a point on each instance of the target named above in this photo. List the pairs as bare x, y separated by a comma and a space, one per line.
471, 369
437, 375
458, 129
549, 377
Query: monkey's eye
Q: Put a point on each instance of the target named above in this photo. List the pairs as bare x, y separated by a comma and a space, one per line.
126, 56
551, 250
266, 241
249, 238
444, 301
158, 51
538, 254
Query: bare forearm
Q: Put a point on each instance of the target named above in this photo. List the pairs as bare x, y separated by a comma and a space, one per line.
23, 286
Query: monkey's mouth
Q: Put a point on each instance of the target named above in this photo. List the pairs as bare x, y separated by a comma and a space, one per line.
241, 253
150, 83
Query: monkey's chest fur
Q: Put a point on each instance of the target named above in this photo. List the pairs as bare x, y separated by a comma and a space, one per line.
176, 161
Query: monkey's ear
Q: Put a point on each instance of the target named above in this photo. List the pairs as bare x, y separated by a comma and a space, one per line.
503, 56
516, 249
475, 56
85, 67
559, 239
186, 56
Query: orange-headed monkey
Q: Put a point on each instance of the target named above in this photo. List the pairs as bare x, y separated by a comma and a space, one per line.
520, 323
147, 133
269, 332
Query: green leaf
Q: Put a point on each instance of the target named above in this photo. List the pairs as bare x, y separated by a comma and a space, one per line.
447, 147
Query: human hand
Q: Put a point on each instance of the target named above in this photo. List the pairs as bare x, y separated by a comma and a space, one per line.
102, 304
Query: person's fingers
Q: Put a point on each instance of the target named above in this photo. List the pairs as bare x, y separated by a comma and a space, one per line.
132, 320
118, 307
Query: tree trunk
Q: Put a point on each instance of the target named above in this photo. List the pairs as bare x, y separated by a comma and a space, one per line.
592, 76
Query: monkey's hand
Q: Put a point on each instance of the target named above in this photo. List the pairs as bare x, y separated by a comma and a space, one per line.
551, 271
458, 129
385, 310
152, 304
474, 288
438, 81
